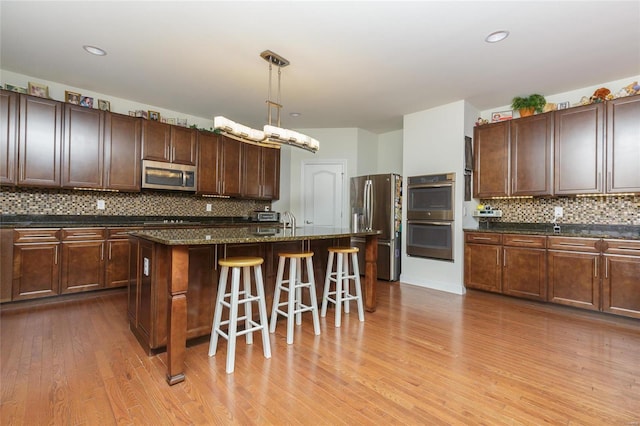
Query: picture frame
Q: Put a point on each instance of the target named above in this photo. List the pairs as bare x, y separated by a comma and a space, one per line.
171, 121
72, 97
86, 101
141, 113
132, 113
154, 115
563, 105
17, 89
501, 116
39, 90
104, 105
182, 122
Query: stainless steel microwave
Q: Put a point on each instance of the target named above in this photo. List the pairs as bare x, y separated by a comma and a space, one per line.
160, 175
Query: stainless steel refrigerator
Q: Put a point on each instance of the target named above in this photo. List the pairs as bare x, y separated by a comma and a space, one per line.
376, 203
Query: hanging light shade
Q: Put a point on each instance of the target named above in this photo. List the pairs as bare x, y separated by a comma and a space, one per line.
272, 134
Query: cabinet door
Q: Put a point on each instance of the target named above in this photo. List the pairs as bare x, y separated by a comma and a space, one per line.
621, 285
8, 137
491, 150
183, 145
82, 266
579, 140
483, 267
252, 171
524, 272
122, 152
203, 288
623, 145
208, 164
117, 269
531, 144
39, 142
83, 147
231, 167
156, 141
574, 279
35, 270
270, 173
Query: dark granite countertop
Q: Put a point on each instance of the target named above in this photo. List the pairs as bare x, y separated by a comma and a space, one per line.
69, 221
631, 232
246, 234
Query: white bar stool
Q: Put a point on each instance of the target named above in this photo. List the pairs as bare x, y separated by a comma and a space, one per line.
342, 279
294, 286
231, 301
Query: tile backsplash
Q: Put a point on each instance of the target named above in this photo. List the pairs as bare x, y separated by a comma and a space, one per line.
74, 202
610, 210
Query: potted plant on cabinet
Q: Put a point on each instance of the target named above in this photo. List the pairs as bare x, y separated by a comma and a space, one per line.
528, 105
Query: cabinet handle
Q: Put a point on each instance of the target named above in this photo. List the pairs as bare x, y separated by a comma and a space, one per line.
55, 256
88, 234
599, 183
481, 238
629, 248
102, 251
110, 246
498, 257
609, 183
606, 267
39, 236
572, 245
524, 241
595, 268
504, 258
173, 153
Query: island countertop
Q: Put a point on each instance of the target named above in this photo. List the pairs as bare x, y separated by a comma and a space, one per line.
244, 234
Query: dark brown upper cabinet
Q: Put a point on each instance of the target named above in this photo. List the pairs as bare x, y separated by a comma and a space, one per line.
173, 144
623, 145
8, 137
39, 142
209, 164
122, 152
83, 147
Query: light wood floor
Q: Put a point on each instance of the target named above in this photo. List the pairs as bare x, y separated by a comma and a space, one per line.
425, 357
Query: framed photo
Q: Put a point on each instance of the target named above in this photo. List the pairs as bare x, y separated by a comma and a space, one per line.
501, 116
562, 105
104, 105
182, 122
72, 97
39, 90
12, 88
154, 115
132, 113
86, 101
171, 121
141, 113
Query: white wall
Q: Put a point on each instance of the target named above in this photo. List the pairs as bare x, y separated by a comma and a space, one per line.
367, 153
390, 149
119, 105
434, 143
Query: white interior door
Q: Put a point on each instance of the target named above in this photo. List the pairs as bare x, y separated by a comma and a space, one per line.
322, 193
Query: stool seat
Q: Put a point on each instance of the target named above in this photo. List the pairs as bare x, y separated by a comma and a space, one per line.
302, 255
344, 250
341, 277
231, 300
293, 306
239, 262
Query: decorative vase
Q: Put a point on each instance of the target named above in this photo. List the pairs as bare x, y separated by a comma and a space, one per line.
526, 112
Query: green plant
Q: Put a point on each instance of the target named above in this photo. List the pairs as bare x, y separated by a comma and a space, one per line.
534, 101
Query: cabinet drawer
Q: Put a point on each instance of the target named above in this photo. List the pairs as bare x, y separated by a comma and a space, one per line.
36, 235
574, 244
483, 238
515, 240
113, 233
628, 247
82, 234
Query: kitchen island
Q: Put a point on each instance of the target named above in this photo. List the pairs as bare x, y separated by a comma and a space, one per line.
172, 266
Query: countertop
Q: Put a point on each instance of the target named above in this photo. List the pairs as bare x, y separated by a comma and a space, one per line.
631, 232
246, 234
75, 221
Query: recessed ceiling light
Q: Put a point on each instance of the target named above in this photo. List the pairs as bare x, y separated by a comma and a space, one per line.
497, 36
295, 114
94, 50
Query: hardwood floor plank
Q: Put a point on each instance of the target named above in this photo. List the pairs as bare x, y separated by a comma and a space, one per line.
424, 357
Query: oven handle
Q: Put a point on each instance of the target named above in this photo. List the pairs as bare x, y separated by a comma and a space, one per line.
429, 222
430, 185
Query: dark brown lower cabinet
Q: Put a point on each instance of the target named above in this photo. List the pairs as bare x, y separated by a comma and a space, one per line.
117, 257
36, 263
524, 266
621, 280
574, 272
83, 259
483, 261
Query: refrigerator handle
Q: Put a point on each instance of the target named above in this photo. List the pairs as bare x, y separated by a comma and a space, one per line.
368, 205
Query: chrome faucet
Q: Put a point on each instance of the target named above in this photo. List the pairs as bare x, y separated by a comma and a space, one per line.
288, 220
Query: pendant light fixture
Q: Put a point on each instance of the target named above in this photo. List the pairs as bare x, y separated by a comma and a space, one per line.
272, 134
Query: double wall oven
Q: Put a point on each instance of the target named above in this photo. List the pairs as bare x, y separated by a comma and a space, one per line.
430, 215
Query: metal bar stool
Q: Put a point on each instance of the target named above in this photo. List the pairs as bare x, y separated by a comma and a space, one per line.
342, 279
294, 286
231, 301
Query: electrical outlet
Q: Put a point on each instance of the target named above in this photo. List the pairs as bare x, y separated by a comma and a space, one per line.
557, 212
209, 207
100, 205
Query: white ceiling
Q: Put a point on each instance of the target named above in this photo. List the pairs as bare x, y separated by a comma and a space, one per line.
353, 64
